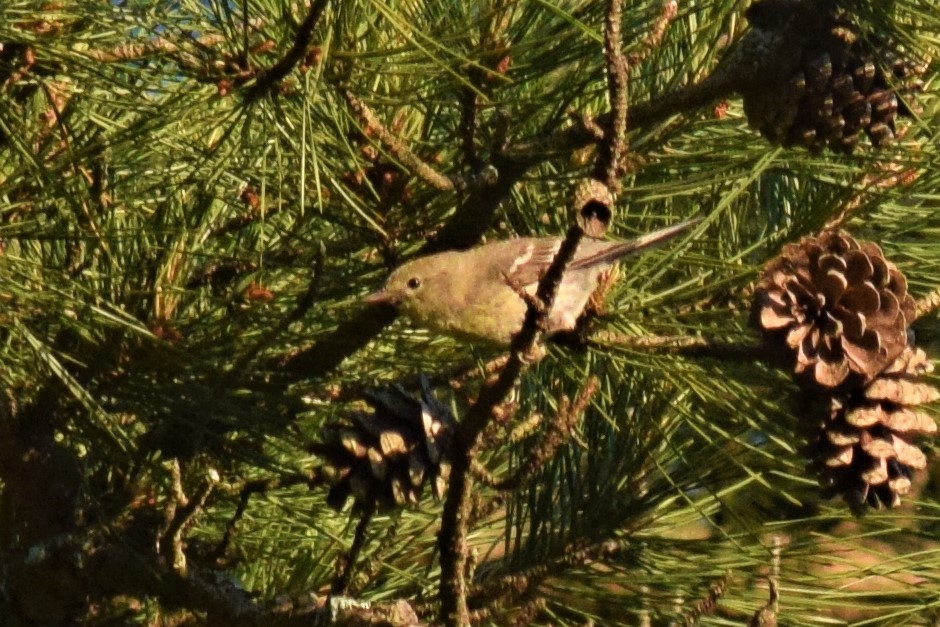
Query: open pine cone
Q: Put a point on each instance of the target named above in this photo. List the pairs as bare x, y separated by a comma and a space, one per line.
843, 83
865, 448
833, 308
385, 458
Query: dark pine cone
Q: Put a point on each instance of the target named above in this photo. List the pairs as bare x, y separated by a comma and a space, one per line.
843, 85
385, 458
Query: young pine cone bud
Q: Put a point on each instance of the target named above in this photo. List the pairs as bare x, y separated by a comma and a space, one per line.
385, 458
834, 309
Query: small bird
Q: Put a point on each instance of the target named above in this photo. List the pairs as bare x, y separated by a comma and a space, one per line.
474, 294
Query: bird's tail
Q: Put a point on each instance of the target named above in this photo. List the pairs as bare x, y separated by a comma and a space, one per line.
611, 254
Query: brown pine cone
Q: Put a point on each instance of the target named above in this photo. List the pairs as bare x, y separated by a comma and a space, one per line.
834, 309
865, 448
385, 458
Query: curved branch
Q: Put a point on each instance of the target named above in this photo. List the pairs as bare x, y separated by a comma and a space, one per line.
267, 79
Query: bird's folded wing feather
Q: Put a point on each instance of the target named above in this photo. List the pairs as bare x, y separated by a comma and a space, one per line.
529, 266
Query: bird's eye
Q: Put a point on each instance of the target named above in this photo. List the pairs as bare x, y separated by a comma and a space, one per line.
413, 283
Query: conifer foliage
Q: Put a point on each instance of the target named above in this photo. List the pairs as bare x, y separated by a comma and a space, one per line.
202, 423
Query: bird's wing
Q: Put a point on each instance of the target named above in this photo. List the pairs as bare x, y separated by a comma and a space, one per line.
532, 261
527, 264
600, 253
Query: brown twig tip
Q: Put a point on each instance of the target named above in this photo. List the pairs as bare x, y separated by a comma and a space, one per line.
372, 126
708, 604
657, 33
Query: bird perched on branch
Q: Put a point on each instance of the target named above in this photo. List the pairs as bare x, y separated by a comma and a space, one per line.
475, 294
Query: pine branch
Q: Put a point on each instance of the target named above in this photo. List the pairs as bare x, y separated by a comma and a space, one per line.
455, 517
266, 80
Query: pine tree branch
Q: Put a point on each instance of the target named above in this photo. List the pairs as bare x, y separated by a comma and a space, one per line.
456, 515
266, 80
559, 431
614, 147
141, 50
689, 346
755, 58
348, 561
373, 126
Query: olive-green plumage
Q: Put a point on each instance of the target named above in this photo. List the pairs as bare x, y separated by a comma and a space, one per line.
474, 293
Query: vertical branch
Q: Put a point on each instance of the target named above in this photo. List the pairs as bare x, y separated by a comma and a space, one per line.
469, 126
456, 516
246, 43
180, 512
596, 196
349, 561
457, 513
614, 147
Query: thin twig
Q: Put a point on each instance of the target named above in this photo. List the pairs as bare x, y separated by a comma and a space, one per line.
928, 304
348, 562
690, 346
411, 161
887, 176
184, 510
613, 148
559, 431
267, 79
655, 36
457, 378
453, 542
482, 475
708, 604
134, 51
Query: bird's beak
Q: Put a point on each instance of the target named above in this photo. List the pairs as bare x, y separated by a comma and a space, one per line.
381, 296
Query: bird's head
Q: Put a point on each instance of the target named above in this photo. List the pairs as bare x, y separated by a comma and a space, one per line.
411, 286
